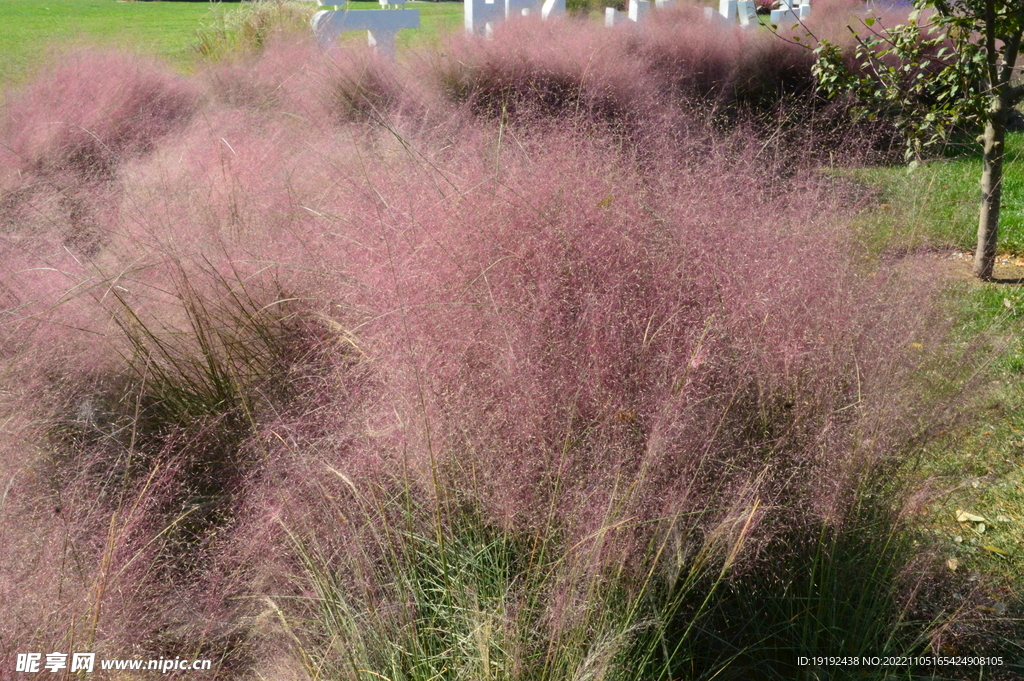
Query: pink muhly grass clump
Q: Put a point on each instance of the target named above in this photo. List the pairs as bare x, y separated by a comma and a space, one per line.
680, 61
563, 68
680, 72
144, 447
695, 61
593, 352
574, 328
93, 110
65, 137
348, 84
275, 78
570, 322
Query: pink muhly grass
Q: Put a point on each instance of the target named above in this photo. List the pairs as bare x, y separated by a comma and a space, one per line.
563, 68
681, 72
570, 68
92, 110
583, 321
693, 59
382, 321
567, 290
274, 78
348, 84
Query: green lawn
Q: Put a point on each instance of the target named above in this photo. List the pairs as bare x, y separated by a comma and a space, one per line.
936, 203
165, 29
979, 468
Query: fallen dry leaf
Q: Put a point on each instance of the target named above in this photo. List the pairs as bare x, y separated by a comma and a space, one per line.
996, 550
963, 516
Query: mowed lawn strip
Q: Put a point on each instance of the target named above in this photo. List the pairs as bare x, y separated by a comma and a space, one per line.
166, 29
935, 203
979, 468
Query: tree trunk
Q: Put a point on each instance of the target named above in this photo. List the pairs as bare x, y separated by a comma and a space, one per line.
991, 190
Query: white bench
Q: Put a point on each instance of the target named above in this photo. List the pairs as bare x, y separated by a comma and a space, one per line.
789, 13
381, 25
481, 16
636, 12
729, 11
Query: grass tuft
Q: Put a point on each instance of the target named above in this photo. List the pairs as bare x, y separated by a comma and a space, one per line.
248, 30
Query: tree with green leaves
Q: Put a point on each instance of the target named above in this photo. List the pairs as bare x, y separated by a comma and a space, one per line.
949, 69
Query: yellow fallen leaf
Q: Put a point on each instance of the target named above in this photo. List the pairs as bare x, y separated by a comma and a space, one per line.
996, 550
953, 564
916, 345
999, 608
963, 516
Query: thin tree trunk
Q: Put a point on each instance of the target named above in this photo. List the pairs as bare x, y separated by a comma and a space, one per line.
991, 191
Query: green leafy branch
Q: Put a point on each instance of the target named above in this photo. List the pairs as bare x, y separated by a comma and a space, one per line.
921, 78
